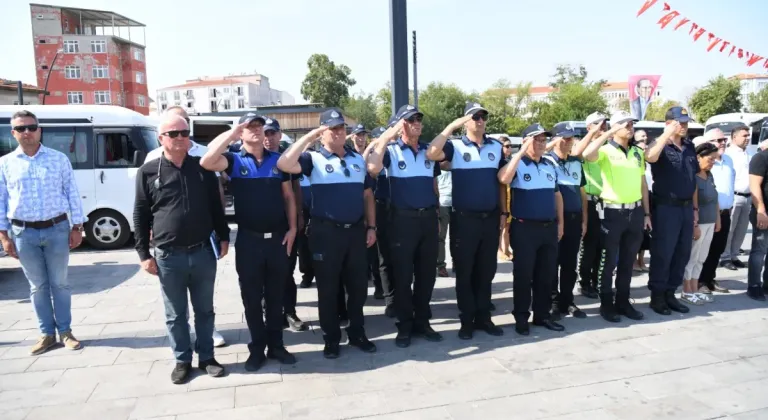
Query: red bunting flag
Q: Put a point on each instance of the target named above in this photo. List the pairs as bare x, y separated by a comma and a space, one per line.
754, 59
669, 17
741, 53
699, 33
733, 48
666, 7
682, 22
765, 64
712, 44
711, 35
693, 28
725, 45
648, 4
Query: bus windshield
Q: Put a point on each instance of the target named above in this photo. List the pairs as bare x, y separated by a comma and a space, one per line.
726, 127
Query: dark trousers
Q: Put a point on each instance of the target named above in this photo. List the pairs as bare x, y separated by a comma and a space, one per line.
290, 296
373, 266
385, 258
671, 243
567, 256
535, 247
719, 240
445, 222
305, 255
591, 249
474, 249
414, 254
338, 255
757, 276
622, 235
262, 265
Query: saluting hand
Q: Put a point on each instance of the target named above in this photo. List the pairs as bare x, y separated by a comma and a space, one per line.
370, 238
459, 122
288, 239
237, 132
527, 142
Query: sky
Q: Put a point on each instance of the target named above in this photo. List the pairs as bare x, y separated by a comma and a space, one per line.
470, 44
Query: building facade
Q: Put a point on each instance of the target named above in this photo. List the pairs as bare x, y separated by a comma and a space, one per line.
222, 94
9, 93
82, 63
751, 83
614, 94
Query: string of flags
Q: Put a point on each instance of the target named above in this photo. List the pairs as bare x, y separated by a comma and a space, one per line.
675, 20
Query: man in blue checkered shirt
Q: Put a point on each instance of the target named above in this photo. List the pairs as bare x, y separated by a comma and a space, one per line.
38, 202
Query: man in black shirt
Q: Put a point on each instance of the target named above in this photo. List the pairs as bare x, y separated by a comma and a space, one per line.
179, 202
757, 279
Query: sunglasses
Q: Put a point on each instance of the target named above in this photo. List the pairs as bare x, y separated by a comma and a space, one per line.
270, 132
415, 118
507, 146
176, 133
723, 140
29, 128
480, 116
344, 166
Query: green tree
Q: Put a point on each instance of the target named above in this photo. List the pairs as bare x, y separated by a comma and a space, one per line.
657, 110
624, 104
384, 105
758, 102
326, 82
506, 105
565, 75
441, 103
362, 108
719, 96
574, 98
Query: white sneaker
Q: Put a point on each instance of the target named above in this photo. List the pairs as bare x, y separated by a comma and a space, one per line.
706, 298
690, 298
218, 339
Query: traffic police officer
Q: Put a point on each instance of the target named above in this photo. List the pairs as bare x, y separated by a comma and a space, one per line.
265, 233
413, 225
343, 226
570, 182
675, 215
477, 202
623, 200
537, 215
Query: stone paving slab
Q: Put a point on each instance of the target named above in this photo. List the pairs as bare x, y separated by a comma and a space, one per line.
711, 363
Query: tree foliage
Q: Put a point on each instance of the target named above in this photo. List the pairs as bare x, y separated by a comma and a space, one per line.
758, 102
719, 96
440, 103
657, 110
362, 108
506, 106
326, 82
573, 99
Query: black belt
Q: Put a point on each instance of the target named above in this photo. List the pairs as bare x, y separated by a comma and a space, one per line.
334, 223
424, 212
263, 235
43, 224
743, 194
669, 201
477, 214
185, 247
725, 211
544, 223
382, 201
572, 215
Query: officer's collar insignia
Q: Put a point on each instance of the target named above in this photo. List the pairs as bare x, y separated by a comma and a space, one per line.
328, 168
466, 157
401, 164
527, 177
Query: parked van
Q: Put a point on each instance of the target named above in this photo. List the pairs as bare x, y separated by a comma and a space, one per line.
726, 123
106, 145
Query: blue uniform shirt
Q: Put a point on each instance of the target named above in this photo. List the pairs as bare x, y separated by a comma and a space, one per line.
337, 183
257, 191
674, 174
381, 189
306, 191
475, 173
725, 178
533, 190
570, 179
411, 176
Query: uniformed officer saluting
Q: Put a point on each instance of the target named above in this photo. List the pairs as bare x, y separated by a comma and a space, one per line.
413, 226
537, 217
343, 226
675, 216
477, 202
570, 181
623, 198
265, 233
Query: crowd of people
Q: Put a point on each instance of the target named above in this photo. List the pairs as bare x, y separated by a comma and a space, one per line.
572, 210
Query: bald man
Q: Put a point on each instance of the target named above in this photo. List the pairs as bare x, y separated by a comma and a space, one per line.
179, 201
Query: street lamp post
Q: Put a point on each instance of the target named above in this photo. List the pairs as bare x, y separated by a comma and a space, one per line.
398, 27
48, 77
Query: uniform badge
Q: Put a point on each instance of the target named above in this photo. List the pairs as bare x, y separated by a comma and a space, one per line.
301, 177
491, 157
401, 164
274, 170
637, 156
427, 164
575, 175
334, 114
550, 177
356, 167
243, 171
467, 157
328, 168
527, 177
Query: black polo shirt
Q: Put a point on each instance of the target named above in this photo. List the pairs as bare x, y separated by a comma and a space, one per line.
674, 174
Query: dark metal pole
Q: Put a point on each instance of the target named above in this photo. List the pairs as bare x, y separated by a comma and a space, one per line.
398, 26
415, 85
20, 89
48, 77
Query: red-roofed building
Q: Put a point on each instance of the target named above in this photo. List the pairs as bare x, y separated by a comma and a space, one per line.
613, 92
9, 93
750, 83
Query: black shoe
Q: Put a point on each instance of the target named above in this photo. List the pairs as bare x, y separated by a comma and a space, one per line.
490, 328
492, 307
331, 350
378, 294
390, 312
756, 293
659, 304
295, 323
739, 264
523, 328
212, 367
442, 272
574, 311
730, 265
550, 325
588, 292
281, 355
180, 373
428, 333
466, 331
673, 303
363, 343
255, 362
608, 309
625, 308
306, 283
403, 339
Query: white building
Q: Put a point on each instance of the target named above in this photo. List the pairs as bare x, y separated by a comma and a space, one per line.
613, 92
227, 93
9, 93
751, 83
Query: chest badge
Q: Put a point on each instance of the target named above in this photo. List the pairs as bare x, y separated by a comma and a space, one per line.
466, 157
428, 164
401, 164
329, 168
356, 167
274, 170
491, 157
243, 171
527, 177
637, 156
575, 175
550, 177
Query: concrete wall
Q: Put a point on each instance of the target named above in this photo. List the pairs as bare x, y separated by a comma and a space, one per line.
10, 97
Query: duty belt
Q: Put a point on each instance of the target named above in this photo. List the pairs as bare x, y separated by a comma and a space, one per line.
743, 194
334, 223
424, 212
43, 224
477, 214
626, 206
669, 201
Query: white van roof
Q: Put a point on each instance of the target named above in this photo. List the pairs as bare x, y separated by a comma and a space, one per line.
100, 115
745, 117
658, 124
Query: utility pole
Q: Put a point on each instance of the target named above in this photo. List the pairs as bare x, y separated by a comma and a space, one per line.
398, 27
415, 85
20, 90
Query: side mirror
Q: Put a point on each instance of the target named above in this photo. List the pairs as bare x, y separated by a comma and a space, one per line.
138, 158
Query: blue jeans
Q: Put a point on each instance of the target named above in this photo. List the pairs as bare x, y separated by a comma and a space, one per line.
44, 257
194, 270
756, 276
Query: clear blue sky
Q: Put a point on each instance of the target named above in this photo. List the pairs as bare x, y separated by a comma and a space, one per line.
471, 44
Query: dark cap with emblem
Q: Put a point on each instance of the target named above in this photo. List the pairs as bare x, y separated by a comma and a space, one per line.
472, 108
392, 121
331, 117
377, 132
250, 117
534, 130
563, 129
407, 111
359, 129
678, 114
271, 124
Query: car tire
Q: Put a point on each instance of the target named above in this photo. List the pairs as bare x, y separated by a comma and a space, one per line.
107, 229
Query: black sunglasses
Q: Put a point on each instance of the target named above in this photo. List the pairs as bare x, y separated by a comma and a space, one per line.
176, 133
22, 128
480, 116
723, 140
415, 118
507, 146
344, 165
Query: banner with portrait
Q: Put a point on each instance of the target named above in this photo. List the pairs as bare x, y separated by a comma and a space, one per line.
642, 90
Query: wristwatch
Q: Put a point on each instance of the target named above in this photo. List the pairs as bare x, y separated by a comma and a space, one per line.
78, 228
373, 228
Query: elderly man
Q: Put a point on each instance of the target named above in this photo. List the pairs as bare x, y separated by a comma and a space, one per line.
184, 253
37, 191
742, 202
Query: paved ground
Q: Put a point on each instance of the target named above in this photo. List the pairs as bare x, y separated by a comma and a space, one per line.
712, 363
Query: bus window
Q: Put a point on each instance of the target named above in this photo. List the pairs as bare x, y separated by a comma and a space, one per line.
755, 130
68, 140
695, 132
7, 142
763, 133
203, 132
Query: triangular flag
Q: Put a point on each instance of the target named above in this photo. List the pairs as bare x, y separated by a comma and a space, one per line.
669, 17
733, 48
712, 44
741, 53
666, 7
711, 35
681, 23
698, 34
724, 46
646, 6
754, 59
693, 28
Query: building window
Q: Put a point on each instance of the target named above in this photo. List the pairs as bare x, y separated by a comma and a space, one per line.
72, 72
190, 105
101, 97
138, 55
226, 90
100, 72
225, 104
141, 100
163, 107
240, 103
71, 46
212, 92
190, 94
99, 46
74, 98
177, 95
139, 77
214, 106
240, 91
162, 96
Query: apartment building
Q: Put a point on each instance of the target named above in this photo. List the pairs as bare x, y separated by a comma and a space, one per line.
750, 83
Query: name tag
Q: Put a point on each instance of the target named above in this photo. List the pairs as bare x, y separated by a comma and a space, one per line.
267, 236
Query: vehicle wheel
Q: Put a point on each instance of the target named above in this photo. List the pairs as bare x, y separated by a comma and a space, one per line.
107, 229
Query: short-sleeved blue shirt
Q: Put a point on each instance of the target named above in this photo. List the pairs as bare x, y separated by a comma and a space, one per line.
674, 174
381, 187
338, 184
474, 173
570, 179
411, 176
533, 190
306, 191
257, 191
